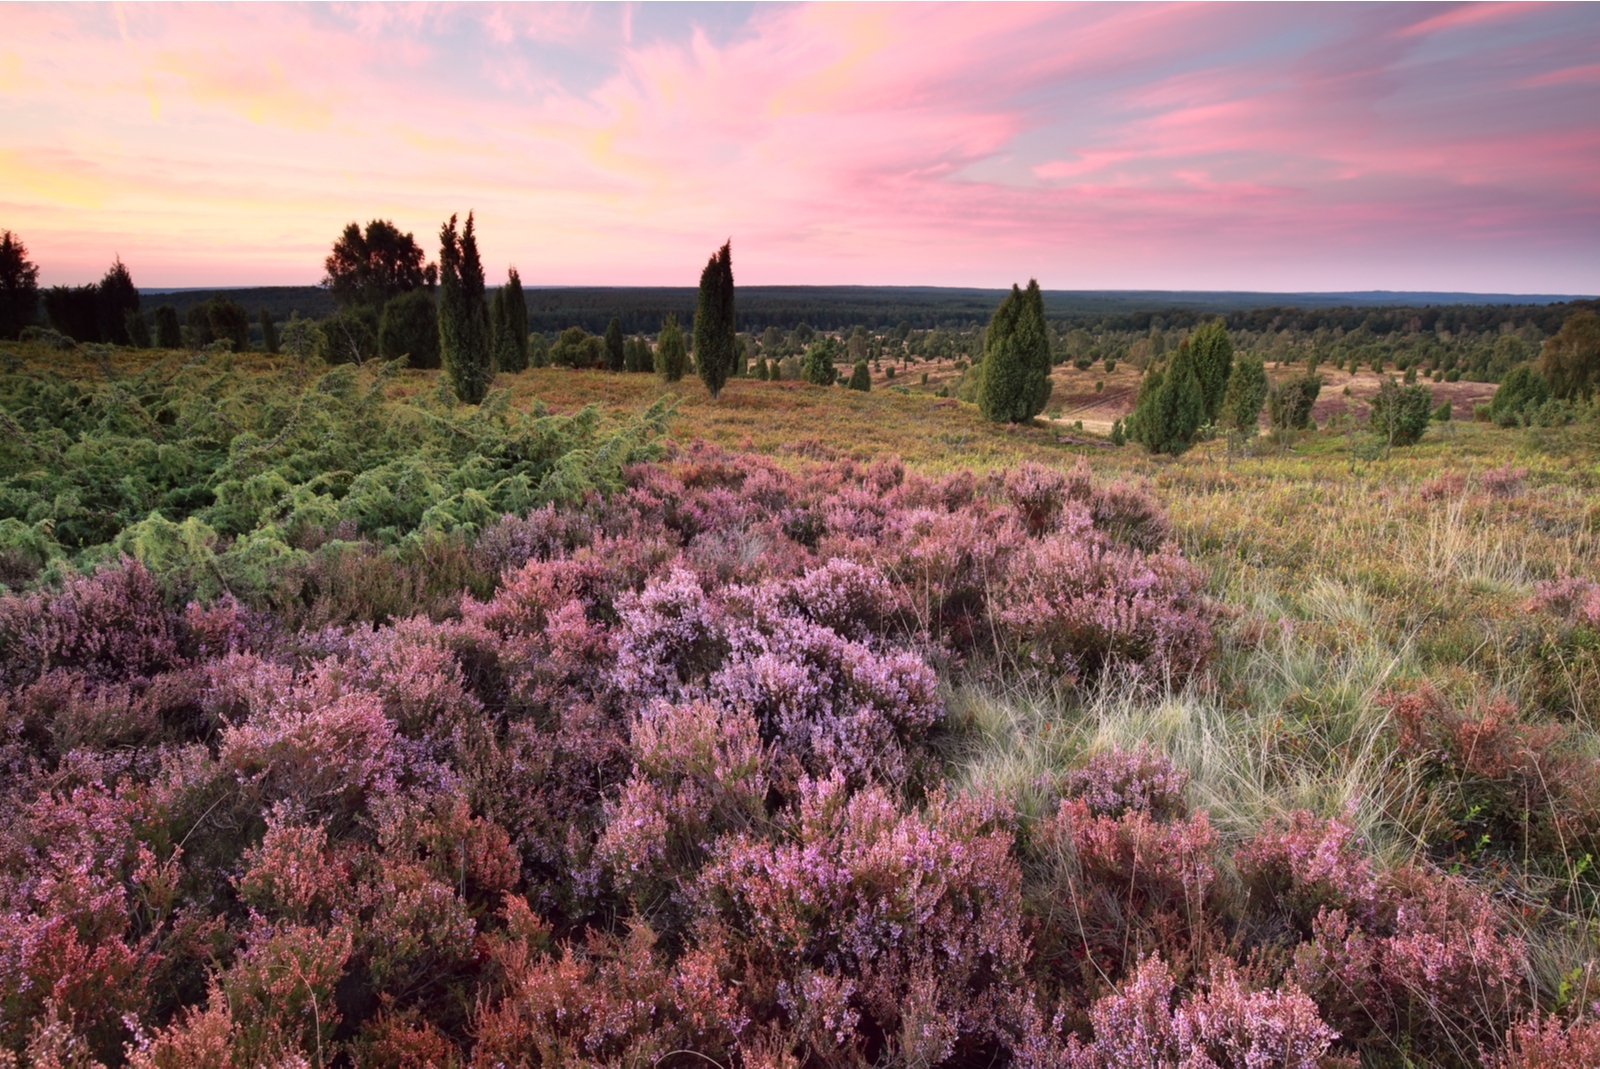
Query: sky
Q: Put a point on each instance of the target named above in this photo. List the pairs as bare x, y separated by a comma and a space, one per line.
1148, 146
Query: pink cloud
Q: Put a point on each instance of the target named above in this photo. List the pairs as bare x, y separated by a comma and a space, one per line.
1092, 146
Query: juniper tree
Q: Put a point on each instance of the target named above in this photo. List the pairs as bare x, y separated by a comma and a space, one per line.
1211, 356
636, 355
19, 286
1016, 363
1290, 402
715, 329
169, 333
671, 358
818, 368
860, 377
1170, 407
508, 317
410, 328
463, 328
538, 349
269, 331
137, 329
1247, 393
115, 297
1570, 361
1399, 414
616, 350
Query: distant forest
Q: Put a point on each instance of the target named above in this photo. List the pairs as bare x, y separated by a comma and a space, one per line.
834, 308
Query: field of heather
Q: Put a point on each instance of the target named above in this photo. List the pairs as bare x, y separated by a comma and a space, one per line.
609, 724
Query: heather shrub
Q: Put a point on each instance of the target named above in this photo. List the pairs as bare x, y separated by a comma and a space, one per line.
1145, 1025
1504, 481
949, 564
1571, 598
1447, 484
544, 781
1513, 788
1543, 1041
1107, 890
670, 636
1129, 515
325, 746
1292, 872
608, 1001
1117, 781
112, 625
280, 990
1433, 968
864, 922
699, 773
851, 599
832, 704
1075, 609
73, 945
1038, 494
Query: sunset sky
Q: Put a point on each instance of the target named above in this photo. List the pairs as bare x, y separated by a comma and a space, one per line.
1262, 147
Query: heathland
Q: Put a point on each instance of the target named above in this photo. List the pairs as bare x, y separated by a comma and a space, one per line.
606, 723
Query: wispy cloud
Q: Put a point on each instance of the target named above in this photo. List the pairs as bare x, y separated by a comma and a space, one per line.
1155, 145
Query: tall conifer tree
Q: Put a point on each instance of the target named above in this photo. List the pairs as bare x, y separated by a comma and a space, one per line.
508, 325
115, 298
269, 332
1212, 353
1016, 362
616, 355
463, 326
19, 286
169, 332
715, 328
1171, 407
671, 359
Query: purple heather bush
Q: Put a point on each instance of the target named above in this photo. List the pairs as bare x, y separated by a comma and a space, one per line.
660, 780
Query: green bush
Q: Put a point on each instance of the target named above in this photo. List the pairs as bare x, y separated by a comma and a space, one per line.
577, 348
672, 358
1399, 414
349, 336
169, 333
224, 480
1519, 396
1290, 401
219, 319
860, 377
410, 328
818, 367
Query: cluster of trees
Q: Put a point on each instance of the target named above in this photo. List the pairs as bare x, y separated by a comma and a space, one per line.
1567, 374
1205, 387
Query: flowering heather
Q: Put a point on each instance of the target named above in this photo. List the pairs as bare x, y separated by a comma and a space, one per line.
1571, 598
658, 775
1504, 481
1222, 1025
1118, 781
1304, 867
863, 911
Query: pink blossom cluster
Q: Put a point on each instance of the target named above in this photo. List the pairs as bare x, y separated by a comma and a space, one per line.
1572, 598
1144, 1025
